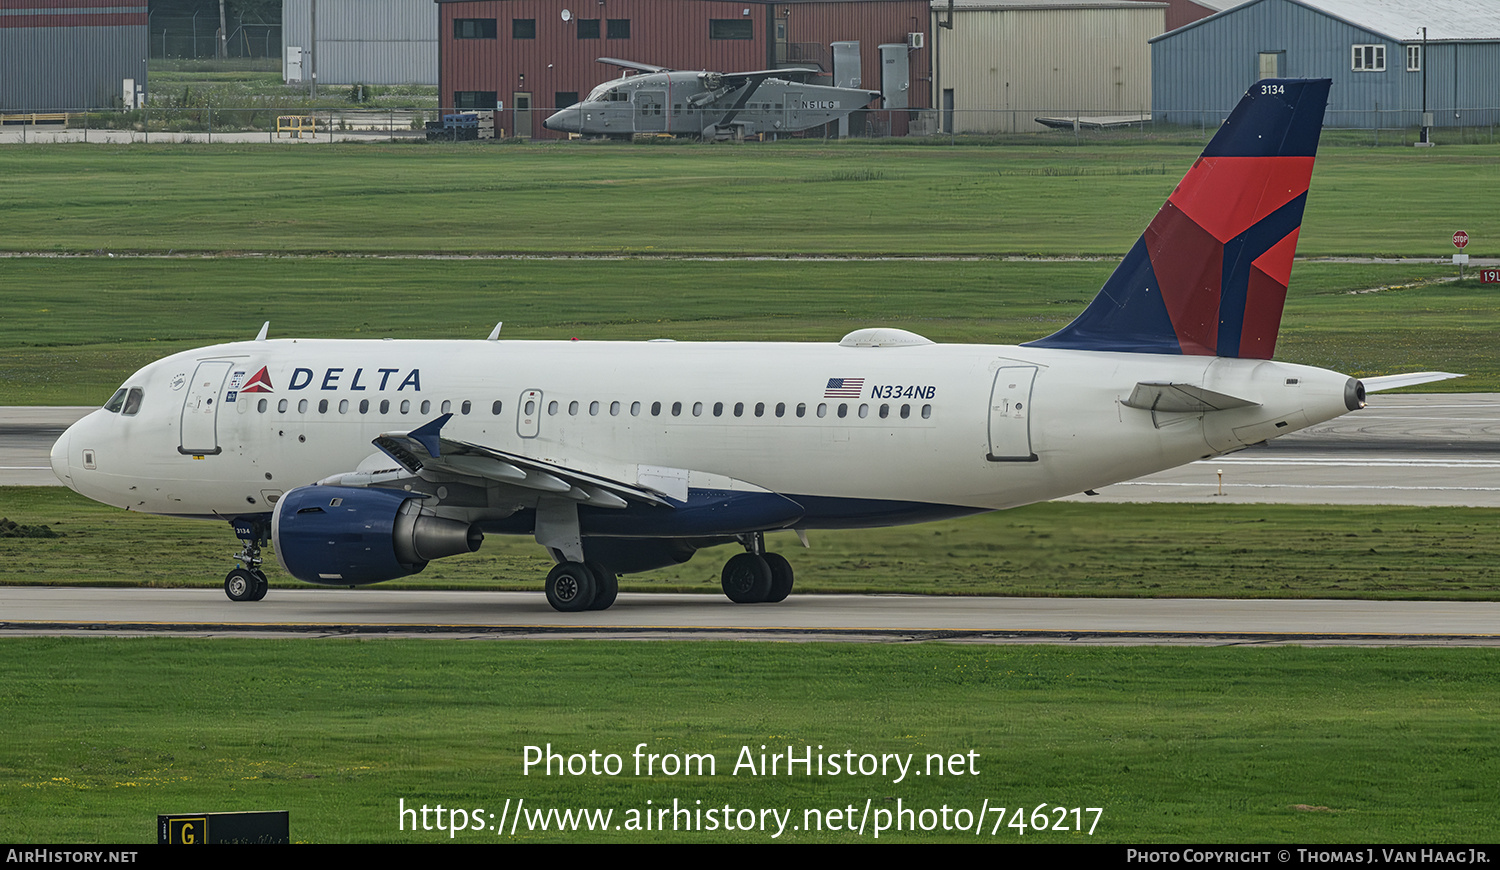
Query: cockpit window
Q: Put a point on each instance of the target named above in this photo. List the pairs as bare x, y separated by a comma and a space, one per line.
116, 402
608, 94
133, 401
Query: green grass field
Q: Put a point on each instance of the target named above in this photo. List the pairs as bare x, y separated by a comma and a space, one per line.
1227, 745
244, 82
74, 328
817, 198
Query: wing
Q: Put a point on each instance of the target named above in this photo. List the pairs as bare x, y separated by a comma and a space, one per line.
630, 64
424, 448
740, 79
661, 502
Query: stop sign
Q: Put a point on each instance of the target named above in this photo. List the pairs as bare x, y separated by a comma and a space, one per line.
1460, 239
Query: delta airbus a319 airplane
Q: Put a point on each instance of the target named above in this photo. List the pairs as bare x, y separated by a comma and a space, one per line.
361, 461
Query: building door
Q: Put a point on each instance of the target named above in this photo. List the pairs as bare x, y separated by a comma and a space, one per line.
200, 409
1010, 415
522, 105
1270, 64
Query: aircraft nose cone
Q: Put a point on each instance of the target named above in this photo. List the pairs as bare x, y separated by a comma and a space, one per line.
563, 121
60, 466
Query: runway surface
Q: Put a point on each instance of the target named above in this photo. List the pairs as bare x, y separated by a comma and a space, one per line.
27, 434
1418, 449
306, 612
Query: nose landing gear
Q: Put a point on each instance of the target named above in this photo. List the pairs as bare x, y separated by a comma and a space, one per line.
244, 584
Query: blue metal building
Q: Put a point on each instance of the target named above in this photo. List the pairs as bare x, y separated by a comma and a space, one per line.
1375, 51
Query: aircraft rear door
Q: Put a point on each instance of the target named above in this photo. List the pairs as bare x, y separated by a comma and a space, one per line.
1010, 415
200, 409
792, 119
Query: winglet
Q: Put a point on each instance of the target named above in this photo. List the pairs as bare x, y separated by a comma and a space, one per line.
1209, 275
427, 435
264, 328
495, 333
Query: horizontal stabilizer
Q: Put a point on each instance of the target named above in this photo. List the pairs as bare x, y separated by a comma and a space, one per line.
1161, 396
1410, 379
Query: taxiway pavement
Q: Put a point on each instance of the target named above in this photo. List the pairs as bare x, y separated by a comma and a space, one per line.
309, 612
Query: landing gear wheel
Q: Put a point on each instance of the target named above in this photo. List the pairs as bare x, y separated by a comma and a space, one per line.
746, 579
570, 587
262, 586
606, 586
781, 577
240, 585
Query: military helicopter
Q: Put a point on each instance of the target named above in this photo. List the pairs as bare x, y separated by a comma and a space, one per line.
713, 105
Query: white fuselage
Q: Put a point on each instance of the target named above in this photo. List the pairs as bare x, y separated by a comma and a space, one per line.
958, 426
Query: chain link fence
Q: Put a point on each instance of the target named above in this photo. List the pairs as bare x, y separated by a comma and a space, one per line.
300, 123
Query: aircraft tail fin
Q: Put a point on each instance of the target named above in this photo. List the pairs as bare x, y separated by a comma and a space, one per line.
1209, 275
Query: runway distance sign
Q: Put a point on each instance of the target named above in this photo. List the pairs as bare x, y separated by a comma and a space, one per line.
200, 829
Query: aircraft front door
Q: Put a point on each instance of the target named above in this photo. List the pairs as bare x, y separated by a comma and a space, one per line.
529, 414
200, 409
650, 111
1010, 415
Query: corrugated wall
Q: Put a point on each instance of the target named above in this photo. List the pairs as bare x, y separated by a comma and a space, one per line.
1201, 72
1007, 66
374, 42
74, 55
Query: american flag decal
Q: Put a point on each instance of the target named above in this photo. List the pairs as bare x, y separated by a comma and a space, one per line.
844, 388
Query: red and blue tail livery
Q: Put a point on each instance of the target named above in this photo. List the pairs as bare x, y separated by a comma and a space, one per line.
1209, 275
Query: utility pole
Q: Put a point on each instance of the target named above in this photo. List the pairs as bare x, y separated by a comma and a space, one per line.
223, 33
1426, 137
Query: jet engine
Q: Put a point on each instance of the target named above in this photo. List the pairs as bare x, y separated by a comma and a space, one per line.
350, 536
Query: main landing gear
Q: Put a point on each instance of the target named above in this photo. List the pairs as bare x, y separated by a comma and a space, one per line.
248, 582
755, 576
573, 587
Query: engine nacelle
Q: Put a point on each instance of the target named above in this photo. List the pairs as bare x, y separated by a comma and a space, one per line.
350, 536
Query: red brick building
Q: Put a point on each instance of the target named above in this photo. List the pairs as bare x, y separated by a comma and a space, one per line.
533, 56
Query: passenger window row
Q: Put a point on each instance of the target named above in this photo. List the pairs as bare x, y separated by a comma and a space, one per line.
574, 408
